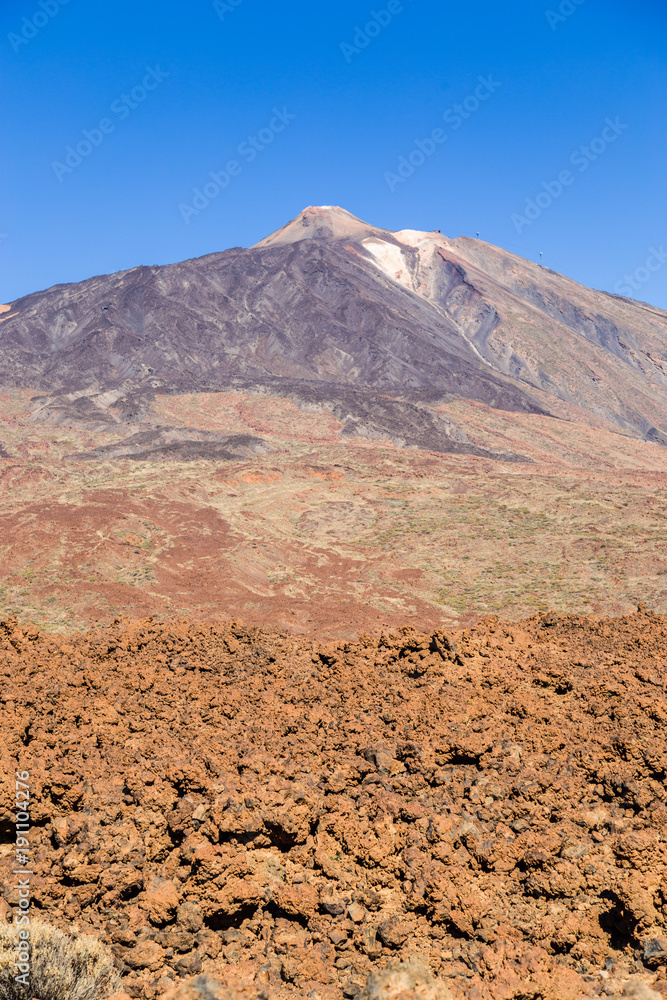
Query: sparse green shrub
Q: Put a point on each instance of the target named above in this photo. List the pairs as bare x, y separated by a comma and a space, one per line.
62, 966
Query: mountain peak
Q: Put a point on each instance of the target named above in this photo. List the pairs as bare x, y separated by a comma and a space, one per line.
317, 222
407, 312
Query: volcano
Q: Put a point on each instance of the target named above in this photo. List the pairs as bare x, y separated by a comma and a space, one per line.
329, 311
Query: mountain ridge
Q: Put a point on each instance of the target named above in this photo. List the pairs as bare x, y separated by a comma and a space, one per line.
332, 303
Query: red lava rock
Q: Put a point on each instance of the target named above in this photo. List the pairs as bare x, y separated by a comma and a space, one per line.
356, 913
300, 900
394, 932
160, 901
190, 917
145, 955
265, 817
655, 951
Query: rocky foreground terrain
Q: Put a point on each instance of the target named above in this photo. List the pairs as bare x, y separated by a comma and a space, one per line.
285, 816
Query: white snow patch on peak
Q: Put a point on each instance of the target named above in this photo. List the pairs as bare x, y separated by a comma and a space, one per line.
389, 258
416, 237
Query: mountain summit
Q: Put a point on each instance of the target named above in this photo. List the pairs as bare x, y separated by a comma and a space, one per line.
377, 325
318, 222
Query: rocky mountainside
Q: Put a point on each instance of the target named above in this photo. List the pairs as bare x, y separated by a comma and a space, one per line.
180, 444
332, 311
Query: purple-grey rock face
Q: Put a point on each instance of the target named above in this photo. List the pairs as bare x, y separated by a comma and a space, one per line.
375, 325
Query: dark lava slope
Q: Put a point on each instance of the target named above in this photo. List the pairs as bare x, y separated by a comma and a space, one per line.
329, 304
308, 311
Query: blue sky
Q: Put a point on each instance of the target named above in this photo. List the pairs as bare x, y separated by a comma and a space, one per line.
172, 92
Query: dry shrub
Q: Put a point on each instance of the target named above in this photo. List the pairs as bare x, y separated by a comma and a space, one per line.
62, 966
200, 988
637, 990
404, 981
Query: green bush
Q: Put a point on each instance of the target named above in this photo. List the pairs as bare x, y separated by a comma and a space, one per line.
62, 966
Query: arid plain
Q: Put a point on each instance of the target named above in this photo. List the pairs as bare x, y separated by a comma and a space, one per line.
328, 534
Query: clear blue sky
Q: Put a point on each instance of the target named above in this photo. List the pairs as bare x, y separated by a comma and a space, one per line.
554, 80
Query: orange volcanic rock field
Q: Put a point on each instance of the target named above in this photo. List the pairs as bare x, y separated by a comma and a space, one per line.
282, 816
